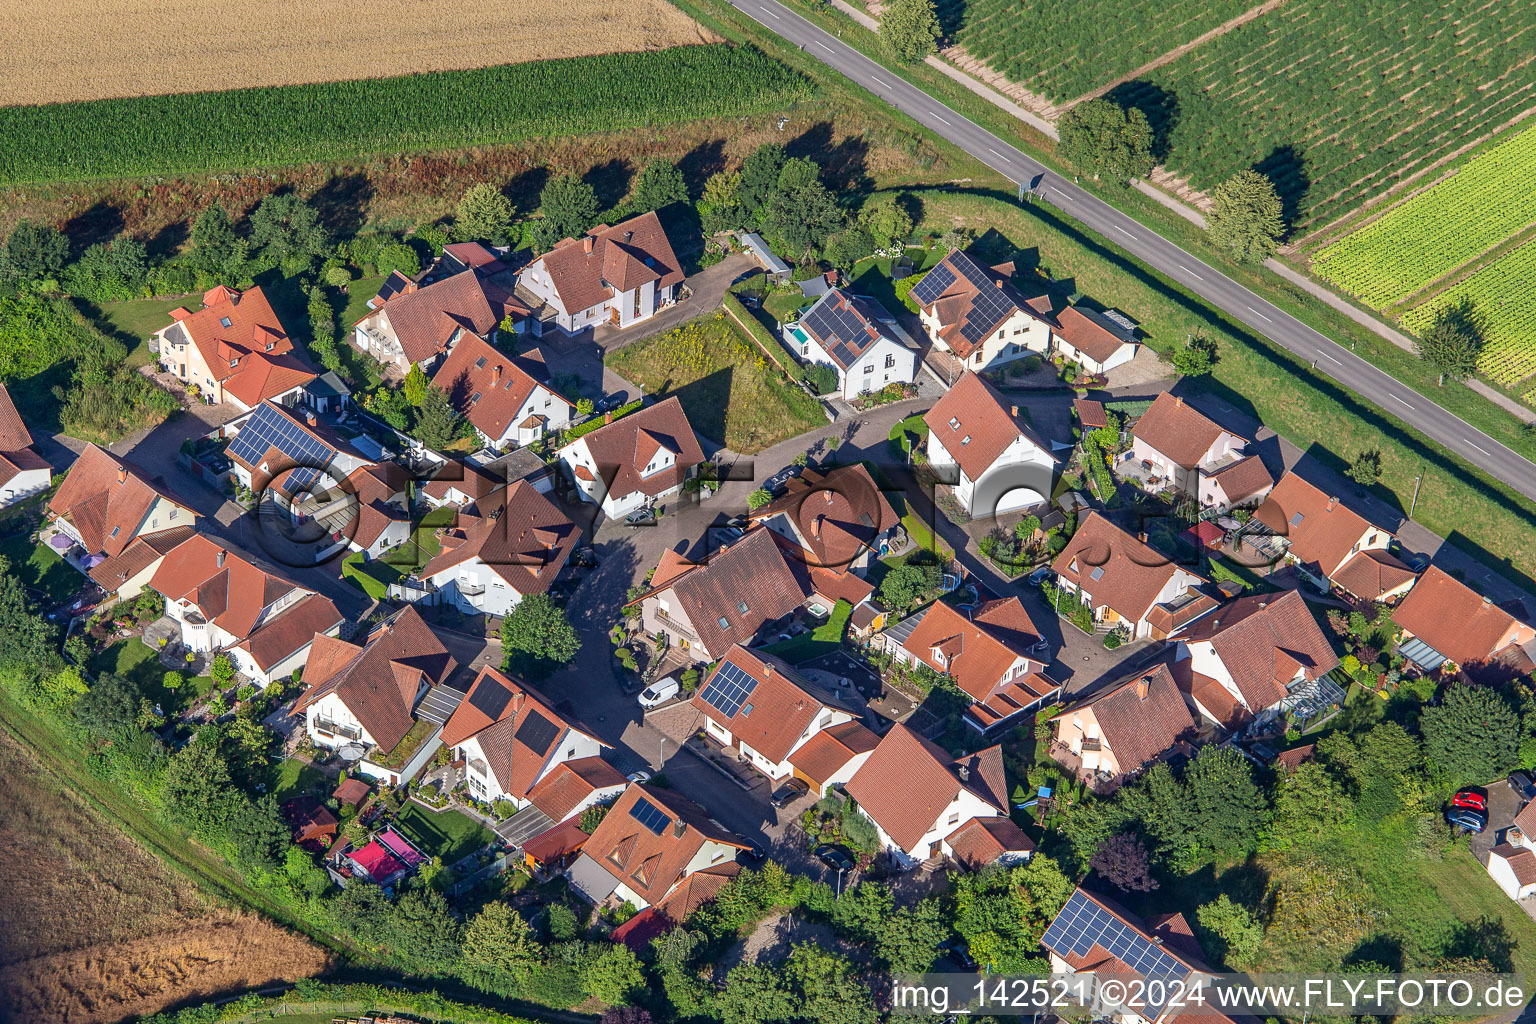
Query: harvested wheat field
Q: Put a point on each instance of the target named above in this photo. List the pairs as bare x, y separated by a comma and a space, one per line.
60, 50
92, 928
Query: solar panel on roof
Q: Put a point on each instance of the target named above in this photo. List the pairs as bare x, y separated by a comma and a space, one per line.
490, 698
728, 689
933, 284
990, 306
1082, 924
649, 815
266, 429
537, 732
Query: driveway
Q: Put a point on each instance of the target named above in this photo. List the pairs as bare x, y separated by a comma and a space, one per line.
1503, 805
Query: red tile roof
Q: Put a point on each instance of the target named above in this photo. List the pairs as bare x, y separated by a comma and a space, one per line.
466, 477
276, 639
1321, 528
975, 409
524, 538
977, 652
622, 448
825, 754
783, 704
1520, 860
559, 793
1264, 640
14, 463
1370, 574
1455, 620
515, 764
377, 680
253, 355
907, 783
1218, 701
652, 864
838, 514
1139, 717
475, 368
955, 307
1177, 429
230, 593
980, 841
557, 842
1083, 334
140, 554
621, 258
106, 499
14, 435
425, 319
1244, 479
1134, 573
1090, 414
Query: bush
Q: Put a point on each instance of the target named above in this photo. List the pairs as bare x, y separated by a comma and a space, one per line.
821, 377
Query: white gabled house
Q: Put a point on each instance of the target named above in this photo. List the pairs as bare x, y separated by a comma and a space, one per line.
23, 472
999, 464
974, 313
639, 459
620, 275
855, 336
504, 403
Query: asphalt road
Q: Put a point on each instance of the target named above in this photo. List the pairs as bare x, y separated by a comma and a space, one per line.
1238, 302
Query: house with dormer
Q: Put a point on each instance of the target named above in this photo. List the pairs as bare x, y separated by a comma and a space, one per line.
1445, 623
234, 349
922, 801
636, 460
994, 460
993, 653
288, 457
972, 312
515, 547
1122, 727
618, 275
836, 520
1128, 584
1180, 449
757, 705
420, 323
510, 738
855, 336
1328, 542
650, 843
224, 603
115, 522
504, 403
23, 472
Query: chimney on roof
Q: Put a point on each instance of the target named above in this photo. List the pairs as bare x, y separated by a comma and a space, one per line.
1332, 503
586, 243
1178, 401
496, 374
816, 526
965, 773
1142, 685
628, 235
999, 283
1142, 536
1015, 411
309, 418
678, 828
607, 417
218, 559
1263, 605
122, 474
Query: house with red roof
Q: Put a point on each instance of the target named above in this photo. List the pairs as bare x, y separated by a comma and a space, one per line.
922, 801
1328, 542
620, 275
993, 653
857, 338
225, 603
511, 738
975, 314
1128, 584
649, 844
23, 472
504, 403
1445, 621
836, 520
759, 705
996, 461
1098, 342
368, 691
1122, 727
416, 322
234, 349
636, 460
115, 522
832, 756
1182, 450
514, 546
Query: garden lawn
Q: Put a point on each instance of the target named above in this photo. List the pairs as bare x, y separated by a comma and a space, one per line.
826, 638
730, 392
873, 276
137, 319
135, 660
423, 545
450, 835
358, 294
296, 777
372, 576
40, 567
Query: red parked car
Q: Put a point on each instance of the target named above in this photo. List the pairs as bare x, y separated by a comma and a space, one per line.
1470, 799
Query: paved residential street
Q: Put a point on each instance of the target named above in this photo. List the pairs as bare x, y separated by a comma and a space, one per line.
1260, 316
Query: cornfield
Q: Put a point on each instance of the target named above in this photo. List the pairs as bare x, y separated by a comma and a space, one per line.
1505, 294
1438, 230
193, 132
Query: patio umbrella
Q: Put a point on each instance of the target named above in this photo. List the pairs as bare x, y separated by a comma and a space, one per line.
60, 542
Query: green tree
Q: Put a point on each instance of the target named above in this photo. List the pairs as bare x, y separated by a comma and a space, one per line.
416, 385
1230, 810
1027, 527
759, 176
1309, 804
338, 277
216, 250
390, 406
35, 252
1107, 140
397, 256
908, 940
904, 292
888, 219
1454, 340
27, 640
758, 498
1365, 470
801, 219
1239, 934
483, 214
610, 973
55, 693
569, 206
909, 30
422, 931
1198, 357
847, 247
500, 951
822, 377
438, 423
720, 206
1471, 736
659, 185
111, 706
221, 670
285, 225
537, 638
322, 329
1245, 217
905, 584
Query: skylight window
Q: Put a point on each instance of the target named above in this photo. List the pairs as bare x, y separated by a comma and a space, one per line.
965, 440
741, 606
475, 397
954, 423
1297, 518
746, 711
480, 363
724, 624
223, 321
1097, 574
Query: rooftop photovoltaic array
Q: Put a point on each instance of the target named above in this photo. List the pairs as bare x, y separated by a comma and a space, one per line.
843, 329
649, 815
267, 429
990, 307
728, 689
1082, 924
537, 732
490, 699
935, 283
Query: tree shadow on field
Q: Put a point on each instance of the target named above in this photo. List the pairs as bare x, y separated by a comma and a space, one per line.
1160, 105
700, 162
524, 189
1286, 167
102, 222
342, 203
169, 239
611, 181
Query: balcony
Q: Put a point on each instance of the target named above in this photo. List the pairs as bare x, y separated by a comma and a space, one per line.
326, 727
469, 588
675, 624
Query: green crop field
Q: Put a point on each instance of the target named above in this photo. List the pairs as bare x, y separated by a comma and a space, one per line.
191, 132
1505, 293
1338, 101
1439, 229
1064, 48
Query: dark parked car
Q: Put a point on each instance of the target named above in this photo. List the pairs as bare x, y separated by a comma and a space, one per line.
608, 403
584, 558
1467, 818
960, 953
792, 790
1523, 785
641, 517
1040, 575
834, 857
